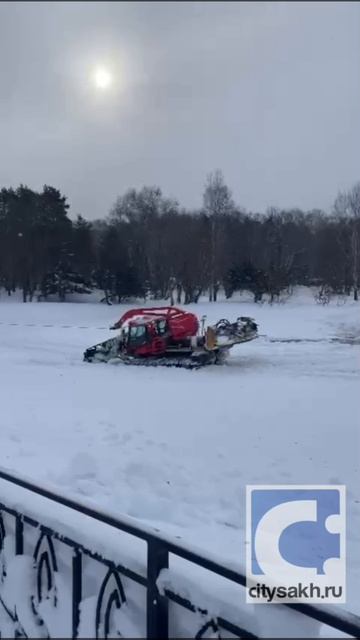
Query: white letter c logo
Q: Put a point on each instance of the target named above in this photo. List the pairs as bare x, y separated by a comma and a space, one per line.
269, 530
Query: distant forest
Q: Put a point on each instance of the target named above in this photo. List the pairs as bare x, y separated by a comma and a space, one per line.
151, 246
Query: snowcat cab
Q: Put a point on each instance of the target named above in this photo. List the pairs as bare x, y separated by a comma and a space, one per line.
146, 336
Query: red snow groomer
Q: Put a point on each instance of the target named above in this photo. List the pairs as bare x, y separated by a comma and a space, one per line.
171, 337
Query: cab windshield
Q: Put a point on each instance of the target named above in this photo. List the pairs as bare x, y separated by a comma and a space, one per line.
138, 335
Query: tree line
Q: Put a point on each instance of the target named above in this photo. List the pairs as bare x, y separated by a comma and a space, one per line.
149, 245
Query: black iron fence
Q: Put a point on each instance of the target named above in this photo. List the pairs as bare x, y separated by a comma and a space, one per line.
53, 585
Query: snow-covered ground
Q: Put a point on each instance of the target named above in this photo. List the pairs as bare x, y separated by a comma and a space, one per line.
176, 448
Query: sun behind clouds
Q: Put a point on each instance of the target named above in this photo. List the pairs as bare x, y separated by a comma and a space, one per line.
103, 79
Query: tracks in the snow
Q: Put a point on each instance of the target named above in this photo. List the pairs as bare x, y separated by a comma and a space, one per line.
350, 340
344, 339
50, 326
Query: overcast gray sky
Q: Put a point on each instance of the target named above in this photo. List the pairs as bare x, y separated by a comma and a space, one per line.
268, 92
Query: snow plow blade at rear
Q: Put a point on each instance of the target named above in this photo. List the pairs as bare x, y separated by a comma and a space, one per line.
231, 333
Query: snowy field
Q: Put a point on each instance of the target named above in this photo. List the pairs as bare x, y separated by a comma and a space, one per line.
176, 448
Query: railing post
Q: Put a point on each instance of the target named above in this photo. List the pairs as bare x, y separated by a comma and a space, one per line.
156, 605
76, 591
19, 536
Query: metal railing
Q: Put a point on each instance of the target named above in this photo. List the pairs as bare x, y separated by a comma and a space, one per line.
37, 539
